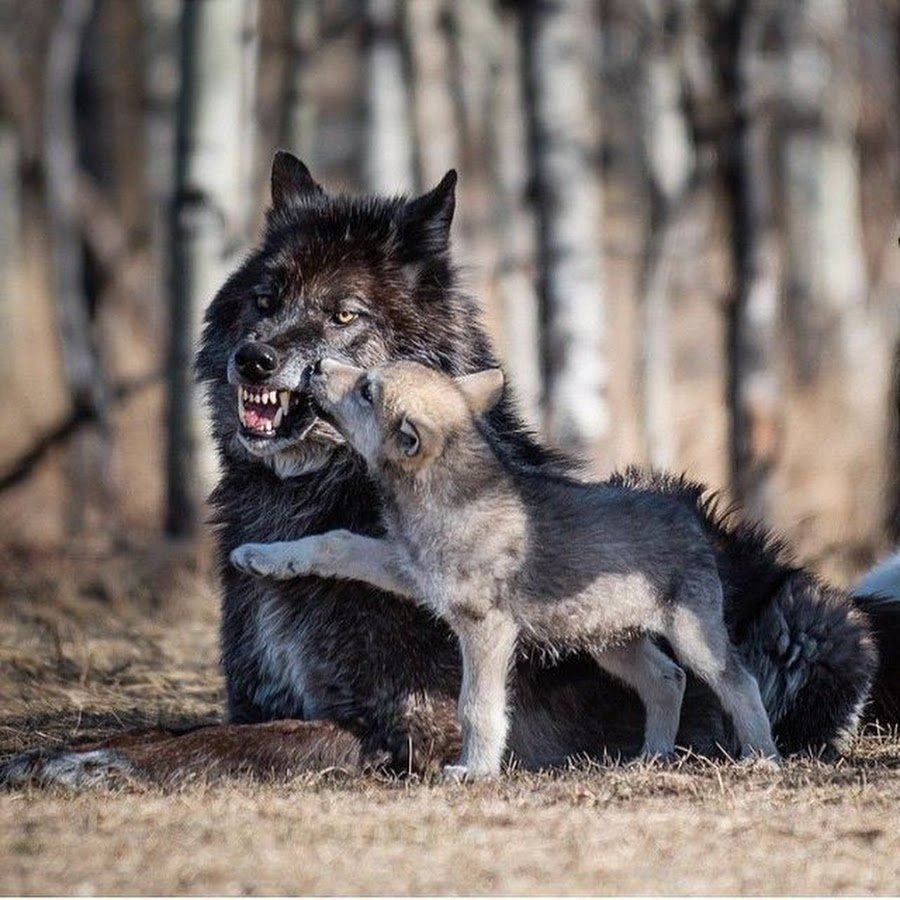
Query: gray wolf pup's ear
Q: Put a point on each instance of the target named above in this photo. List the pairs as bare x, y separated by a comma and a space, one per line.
425, 224
481, 390
291, 181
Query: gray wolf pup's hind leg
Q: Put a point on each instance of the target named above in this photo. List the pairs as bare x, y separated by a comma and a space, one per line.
701, 643
334, 554
659, 681
487, 647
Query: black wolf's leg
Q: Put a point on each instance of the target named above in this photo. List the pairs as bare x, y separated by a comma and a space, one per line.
270, 750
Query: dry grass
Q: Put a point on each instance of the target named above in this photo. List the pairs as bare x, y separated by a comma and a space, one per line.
91, 645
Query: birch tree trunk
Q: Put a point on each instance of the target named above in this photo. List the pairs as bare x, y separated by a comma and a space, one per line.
514, 223
892, 517
473, 25
433, 109
828, 281
669, 163
389, 146
89, 465
298, 128
10, 248
160, 21
126, 89
213, 202
753, 378
568, 212
10, 208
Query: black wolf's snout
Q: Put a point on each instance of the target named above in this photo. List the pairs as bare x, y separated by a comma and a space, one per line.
256, 361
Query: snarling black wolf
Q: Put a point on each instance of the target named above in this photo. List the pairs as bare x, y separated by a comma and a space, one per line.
333, 673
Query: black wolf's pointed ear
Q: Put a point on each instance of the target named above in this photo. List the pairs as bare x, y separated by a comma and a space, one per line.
291, 181
481, 390
427, 219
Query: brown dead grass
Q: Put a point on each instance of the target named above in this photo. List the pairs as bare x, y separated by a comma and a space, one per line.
90, 644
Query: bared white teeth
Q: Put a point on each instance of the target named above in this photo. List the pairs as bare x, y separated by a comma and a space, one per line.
267, 398
284, 400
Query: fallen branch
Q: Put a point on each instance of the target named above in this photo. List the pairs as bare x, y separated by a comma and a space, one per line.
60, 433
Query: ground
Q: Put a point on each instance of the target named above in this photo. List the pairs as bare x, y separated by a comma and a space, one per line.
91, 643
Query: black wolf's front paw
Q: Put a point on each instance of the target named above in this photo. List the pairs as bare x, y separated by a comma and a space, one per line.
66, 768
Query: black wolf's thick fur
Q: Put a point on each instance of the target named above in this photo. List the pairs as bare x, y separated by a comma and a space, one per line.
384, 670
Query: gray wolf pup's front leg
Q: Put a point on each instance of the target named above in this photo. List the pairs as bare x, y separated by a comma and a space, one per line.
487, 647
334, 554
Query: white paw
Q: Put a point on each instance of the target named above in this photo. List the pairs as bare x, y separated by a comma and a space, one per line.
756, 760
656, 755
460, 773
262, 560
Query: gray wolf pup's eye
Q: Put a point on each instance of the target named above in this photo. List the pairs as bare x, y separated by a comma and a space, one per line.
365, 391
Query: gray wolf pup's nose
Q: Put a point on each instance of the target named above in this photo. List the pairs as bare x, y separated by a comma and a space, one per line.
256, 361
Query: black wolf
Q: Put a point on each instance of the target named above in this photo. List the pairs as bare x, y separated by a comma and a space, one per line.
374, 681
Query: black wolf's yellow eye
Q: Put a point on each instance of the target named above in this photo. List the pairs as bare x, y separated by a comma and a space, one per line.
344, 317
265, 295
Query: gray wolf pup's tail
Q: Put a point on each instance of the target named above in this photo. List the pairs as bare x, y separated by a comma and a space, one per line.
813, 649
878, 595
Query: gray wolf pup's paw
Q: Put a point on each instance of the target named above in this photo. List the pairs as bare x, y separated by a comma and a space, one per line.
460, 773
267, 560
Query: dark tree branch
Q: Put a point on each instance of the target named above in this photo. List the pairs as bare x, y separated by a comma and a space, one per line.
60, 433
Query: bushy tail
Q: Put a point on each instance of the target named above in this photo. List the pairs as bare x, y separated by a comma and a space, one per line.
878, 596
815, 657
810, 646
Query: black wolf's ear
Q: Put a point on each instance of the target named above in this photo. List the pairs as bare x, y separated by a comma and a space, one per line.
481, 390
426, 220
291, 181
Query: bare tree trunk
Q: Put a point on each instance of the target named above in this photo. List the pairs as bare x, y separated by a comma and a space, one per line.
10, 248
669, 163
753, 379
433, 109
213, 202
828, 282
514, 223
389, 147
123, 32
11, 205
892, 519
569, 218
91, 451
473, 26
298, 128
160, 20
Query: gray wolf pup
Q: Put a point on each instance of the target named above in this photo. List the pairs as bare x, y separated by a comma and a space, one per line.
311, 666
507, 555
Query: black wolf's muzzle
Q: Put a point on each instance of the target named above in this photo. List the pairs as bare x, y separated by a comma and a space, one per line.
256, 361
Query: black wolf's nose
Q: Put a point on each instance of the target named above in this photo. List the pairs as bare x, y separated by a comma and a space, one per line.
256, 361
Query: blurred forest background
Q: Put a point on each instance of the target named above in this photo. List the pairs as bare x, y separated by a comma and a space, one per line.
681, 217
